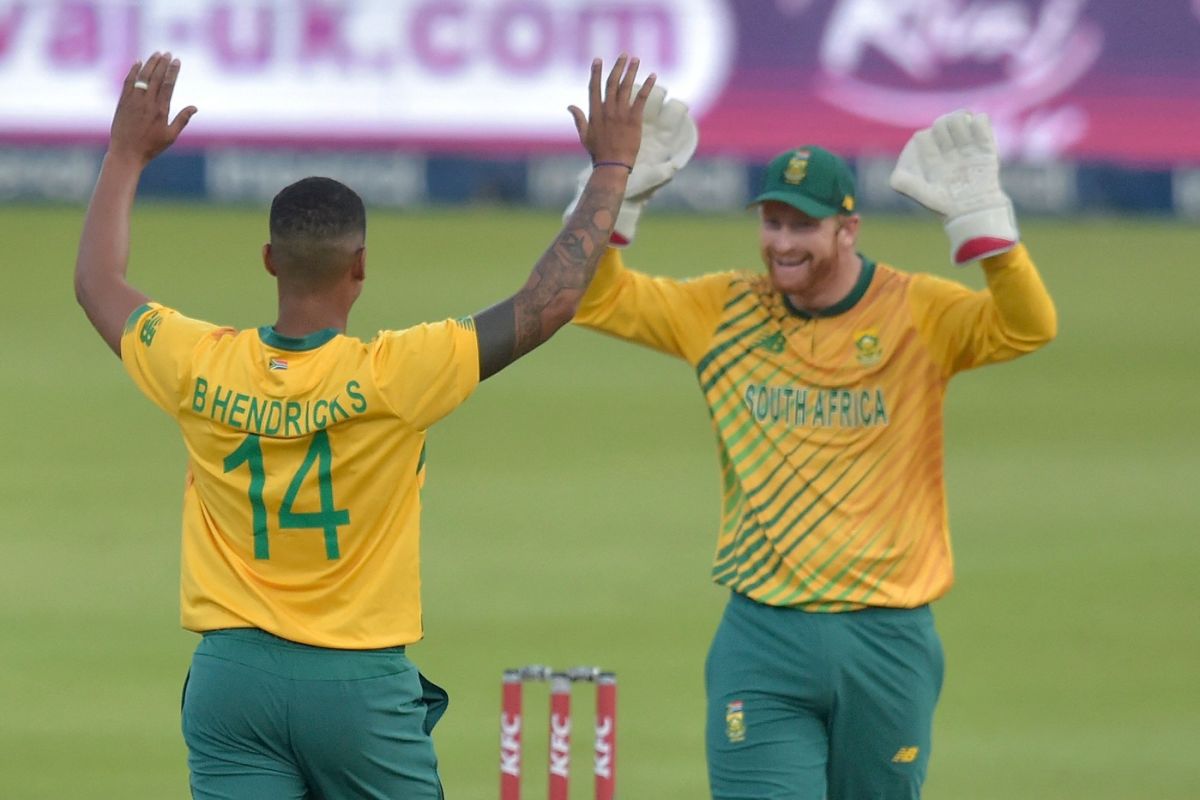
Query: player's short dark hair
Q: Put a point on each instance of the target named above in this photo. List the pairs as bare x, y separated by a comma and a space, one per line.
315, 209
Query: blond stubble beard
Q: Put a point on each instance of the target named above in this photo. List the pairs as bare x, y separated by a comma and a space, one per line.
820, 271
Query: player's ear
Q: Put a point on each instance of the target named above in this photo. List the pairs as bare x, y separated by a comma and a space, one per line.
358, 269
848, 230
268, 260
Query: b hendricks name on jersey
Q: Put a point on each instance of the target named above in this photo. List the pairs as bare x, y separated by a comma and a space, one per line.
273, 417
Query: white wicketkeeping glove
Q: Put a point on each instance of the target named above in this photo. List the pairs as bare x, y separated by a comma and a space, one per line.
669, 139
953, 168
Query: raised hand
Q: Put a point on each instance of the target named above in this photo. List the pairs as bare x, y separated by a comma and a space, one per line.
669, 139
140, 129
611, 131
953, 168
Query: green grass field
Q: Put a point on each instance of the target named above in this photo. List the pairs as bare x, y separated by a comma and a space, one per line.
571, 510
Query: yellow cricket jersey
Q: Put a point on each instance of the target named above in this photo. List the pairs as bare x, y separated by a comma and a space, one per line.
829, 427
301, 512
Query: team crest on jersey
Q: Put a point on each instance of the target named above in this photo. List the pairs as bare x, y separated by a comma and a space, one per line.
735, 722
867, 349
797, 167
774, 342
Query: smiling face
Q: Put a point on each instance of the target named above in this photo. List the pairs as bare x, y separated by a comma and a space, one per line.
810, 260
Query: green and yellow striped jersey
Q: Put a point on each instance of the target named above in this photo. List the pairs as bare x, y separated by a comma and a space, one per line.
301, 512
829, 427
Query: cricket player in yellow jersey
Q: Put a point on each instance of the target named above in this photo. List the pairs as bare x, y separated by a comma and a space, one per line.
825, 379
301, 515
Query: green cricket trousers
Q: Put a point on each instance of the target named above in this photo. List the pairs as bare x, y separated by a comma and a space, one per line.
265, 718
821, 706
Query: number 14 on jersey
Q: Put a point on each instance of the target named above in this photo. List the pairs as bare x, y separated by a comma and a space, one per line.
327, 519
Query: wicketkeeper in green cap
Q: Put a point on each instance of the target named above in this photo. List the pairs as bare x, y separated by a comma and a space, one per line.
810, 179
825, 376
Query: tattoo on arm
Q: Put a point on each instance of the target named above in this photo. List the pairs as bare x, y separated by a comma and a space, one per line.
547, 301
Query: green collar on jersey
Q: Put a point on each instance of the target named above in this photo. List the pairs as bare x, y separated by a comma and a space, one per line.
846, 303
280, 342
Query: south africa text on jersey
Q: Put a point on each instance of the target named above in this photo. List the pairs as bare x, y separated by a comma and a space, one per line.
799, 406
273, 417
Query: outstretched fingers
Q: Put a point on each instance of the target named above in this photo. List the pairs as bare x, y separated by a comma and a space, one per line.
166, 92
981, 130
643, 95
581, 125
927, 150
580, 118
142, 126
167, 88
625, 90
181, 120
959, 125
156, 73
594, 95
611, 130
612, 87
940, 131
130, 77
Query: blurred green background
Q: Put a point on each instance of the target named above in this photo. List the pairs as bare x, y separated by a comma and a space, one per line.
571, 509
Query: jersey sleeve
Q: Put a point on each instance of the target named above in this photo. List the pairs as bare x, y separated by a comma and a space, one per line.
157, 347
677, 317
964, 329
427, 371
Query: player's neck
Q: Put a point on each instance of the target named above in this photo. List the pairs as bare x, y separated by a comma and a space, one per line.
304, 315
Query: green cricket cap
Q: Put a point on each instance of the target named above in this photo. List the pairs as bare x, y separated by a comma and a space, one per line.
810, 179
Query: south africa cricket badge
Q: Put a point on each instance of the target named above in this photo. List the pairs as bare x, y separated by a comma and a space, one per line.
867, 348
735, 722
797, 167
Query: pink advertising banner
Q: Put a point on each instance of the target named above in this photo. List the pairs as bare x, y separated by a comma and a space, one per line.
1107, 80
1089, 80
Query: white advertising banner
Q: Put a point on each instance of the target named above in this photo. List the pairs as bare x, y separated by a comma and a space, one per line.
357, 71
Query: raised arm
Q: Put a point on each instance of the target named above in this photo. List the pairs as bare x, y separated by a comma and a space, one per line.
140, 132
611, 132
953, 168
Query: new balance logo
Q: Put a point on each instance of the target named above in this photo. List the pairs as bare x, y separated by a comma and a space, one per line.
150, 327
775, 342
906, 755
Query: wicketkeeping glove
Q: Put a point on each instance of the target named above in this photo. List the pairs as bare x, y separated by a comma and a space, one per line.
669, 139
953, 168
